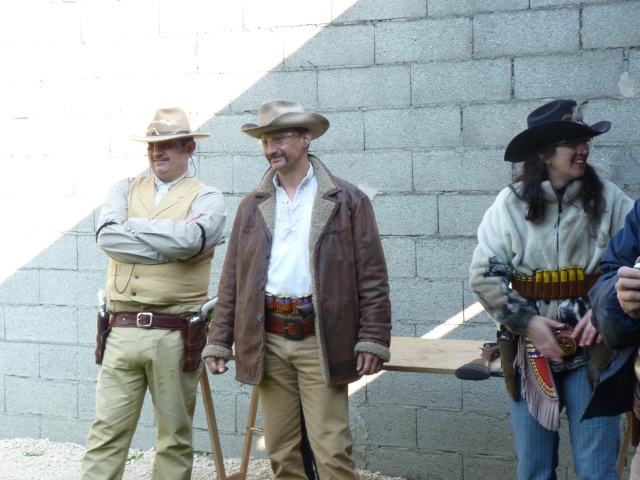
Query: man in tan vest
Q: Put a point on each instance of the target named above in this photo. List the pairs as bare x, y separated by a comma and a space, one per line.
159, 232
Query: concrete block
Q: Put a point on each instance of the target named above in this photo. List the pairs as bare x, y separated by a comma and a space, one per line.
21, 288
225, 412
624, 164
345, 11
613, 25
231, 444
373, 172
412, 128
527, 32
330, 46
488, 396
248, 171
444, 430
419, 390
415, 464
86, 321
41, 397
495, 124
367, 87
290, 84
209, 16
2, 403
555, 3
395, 214
19, 359
19, 426
2, 322
222, 142
462, 214
216, 170
213, 58
22, 320
390, 426
474, 80
585, 75
473, 169
421, 300
87, 398
64, 430
400, 254
444, 258
482, 467
630, 81
262, 15
15, 29
424, 40
90, 257
618, 112
346, 133
97, 20
78, 362
464, 7
60, 287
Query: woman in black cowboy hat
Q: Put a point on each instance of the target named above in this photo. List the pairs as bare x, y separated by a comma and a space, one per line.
539, 247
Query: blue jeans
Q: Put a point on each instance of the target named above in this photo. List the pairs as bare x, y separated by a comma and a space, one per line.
595, 443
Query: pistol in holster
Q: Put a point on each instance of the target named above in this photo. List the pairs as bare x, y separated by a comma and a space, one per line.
508, 345
102, 332
194, 336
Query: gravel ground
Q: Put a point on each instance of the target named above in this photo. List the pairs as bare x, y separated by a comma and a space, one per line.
29, 458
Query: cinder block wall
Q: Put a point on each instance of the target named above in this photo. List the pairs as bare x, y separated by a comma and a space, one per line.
423, 96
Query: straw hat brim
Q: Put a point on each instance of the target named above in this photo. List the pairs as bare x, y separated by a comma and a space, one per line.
316, 123
530, 139
162, 138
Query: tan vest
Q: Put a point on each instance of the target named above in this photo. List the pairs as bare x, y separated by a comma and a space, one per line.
174, 283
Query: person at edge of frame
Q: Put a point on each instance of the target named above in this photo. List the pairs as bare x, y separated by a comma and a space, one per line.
538, 253
159, 232
615, 301
304, 296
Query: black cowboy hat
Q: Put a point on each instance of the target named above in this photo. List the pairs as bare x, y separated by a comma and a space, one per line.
552, 122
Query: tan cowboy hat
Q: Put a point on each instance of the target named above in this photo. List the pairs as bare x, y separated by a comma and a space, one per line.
167, 124
279, 114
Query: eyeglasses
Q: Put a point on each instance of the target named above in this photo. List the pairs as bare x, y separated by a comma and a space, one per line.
575, 143
277, 140
166, 145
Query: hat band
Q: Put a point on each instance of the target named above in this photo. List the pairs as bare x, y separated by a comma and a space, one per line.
155, 133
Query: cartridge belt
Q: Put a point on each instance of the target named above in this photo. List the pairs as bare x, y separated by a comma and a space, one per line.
554, 284
284, 303
164, 321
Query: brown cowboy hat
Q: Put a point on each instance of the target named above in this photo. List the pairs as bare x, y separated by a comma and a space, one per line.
552, 122
279, 114
167, 124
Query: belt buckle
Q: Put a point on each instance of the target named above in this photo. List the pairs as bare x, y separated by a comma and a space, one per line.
141, 315
297, 323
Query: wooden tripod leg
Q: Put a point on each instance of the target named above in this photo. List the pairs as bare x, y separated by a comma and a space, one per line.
212, 424
248, 438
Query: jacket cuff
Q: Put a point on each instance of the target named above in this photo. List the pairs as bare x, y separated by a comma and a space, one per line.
370, 347
217, 351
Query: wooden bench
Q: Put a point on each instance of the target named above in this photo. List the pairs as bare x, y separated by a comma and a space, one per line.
418, 355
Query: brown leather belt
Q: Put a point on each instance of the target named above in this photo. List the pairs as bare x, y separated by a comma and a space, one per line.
291, 327
555, 284
162, 321
285, 304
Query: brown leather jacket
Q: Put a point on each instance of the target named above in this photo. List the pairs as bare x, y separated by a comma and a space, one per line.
348, 270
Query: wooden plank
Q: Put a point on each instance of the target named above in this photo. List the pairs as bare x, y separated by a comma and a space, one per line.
424, 355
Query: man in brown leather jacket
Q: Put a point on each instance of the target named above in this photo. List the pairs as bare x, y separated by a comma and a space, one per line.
304, 296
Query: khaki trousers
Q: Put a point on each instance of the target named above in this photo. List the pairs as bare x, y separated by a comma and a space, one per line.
136, 359
293, 377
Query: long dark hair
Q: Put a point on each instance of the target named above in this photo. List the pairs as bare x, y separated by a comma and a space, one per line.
534, 172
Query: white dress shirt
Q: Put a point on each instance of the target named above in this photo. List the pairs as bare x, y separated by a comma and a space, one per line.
289, 269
